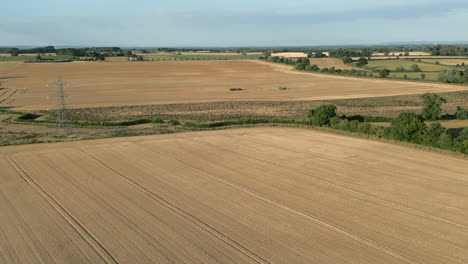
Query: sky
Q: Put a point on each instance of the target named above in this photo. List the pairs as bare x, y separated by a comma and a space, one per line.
184, 23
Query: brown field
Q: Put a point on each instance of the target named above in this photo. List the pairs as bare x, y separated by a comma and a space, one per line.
332, 62
135, 83
261, 195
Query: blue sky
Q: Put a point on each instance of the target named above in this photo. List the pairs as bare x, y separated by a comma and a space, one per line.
230, 23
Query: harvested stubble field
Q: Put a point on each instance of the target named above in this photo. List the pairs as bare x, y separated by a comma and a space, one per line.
234, 196
134, 83
388, 106
332, 62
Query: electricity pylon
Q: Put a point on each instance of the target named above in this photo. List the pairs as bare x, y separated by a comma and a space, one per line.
61, 111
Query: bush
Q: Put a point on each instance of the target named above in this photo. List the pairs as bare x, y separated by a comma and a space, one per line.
433, 134
235, 89
315, 68
173, 122
461, 114
157, 121
361, 62
432, 106
415, 68
322, 115
347, 60
28, 116
445, 141
384, 73
282, 87
407, 127
453, 76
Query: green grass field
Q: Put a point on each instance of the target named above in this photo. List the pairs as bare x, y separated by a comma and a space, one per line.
449, 62
430, 76
394, 63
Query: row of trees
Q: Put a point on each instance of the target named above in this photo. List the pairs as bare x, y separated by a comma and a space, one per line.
454, 76
409, 127
351, 52
81, 53
47, 49
303, 64
447, 50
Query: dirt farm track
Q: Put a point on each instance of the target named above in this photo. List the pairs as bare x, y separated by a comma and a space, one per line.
132, 83
259, 195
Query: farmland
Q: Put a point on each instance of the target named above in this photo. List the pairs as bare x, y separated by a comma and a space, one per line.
393, 64
95, 84
30, 57
331, 62
304, 196
202, 56
450, 62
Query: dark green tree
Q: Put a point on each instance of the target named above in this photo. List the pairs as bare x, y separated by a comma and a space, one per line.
347, 60
415, 68
445, 141
322, 115
407, 127
362, 62
433, 133
461, 113
384, 73
432, 106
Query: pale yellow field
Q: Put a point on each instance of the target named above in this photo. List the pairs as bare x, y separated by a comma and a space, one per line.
134, 83
290, 54
264, 195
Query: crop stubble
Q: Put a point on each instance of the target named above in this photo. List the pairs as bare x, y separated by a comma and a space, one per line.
258, 195
134, 83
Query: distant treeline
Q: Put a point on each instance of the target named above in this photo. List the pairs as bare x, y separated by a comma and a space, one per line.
335, 51
66, 51
345, 51
447, 50
89, 52
47, 49
8, 50
16, 51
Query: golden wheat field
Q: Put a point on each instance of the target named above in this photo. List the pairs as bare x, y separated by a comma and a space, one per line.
30, 85
260, 195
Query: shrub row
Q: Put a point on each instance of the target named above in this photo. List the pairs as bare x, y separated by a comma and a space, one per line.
407, 127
